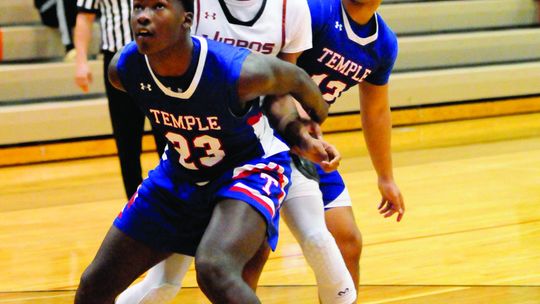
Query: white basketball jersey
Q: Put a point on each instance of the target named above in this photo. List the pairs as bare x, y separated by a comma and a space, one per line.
265, 26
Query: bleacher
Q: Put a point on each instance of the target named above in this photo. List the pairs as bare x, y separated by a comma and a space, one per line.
452, 53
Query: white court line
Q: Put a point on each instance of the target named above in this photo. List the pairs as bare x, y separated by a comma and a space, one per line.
416, 295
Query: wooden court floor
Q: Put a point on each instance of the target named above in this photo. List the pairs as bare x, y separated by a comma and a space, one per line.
471, 233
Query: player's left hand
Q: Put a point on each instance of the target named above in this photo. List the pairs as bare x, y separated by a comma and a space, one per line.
392, 200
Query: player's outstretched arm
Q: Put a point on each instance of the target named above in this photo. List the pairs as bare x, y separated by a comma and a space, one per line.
264, 75
112, 72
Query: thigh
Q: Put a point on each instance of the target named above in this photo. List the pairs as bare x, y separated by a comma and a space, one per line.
235, 232
342, 224
119, 261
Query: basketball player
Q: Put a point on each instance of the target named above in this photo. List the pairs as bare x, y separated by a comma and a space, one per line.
360, 38
252, 24
353, 46
216, 193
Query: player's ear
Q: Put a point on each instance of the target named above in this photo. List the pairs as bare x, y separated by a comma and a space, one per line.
188, 20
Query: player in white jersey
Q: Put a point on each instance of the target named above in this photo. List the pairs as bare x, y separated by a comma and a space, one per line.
267, 27
255, 24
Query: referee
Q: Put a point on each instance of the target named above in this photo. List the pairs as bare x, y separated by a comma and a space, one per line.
126, 118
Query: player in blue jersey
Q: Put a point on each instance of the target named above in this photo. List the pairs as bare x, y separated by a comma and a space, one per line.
247, 23
216, 192
352, 45
347, 36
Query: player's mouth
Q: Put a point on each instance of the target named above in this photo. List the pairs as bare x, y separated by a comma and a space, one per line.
143, 33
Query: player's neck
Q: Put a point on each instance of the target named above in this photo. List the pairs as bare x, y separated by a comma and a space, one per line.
172, 61
360, 13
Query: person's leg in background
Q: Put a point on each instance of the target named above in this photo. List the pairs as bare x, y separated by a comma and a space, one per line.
342, 225
66, 11
340, 220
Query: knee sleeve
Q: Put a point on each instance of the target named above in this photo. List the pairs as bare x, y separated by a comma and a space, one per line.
161, 284
333, 279
142, 294
164, 293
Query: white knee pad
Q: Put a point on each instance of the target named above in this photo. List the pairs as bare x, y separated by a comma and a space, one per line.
333, 279
161, 294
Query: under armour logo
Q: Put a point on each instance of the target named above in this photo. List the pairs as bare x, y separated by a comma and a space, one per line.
343, 292
339, 26
208, 15
146, 86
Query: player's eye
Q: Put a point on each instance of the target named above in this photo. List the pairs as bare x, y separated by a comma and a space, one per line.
159, 6
137, 7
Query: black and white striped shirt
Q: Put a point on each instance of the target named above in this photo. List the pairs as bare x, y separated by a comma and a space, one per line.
115, 15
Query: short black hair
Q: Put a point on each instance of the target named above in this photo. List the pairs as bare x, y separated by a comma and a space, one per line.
188, 5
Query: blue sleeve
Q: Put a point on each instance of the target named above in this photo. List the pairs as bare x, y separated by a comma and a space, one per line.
123, 63
236, 61
318, 14
388, 59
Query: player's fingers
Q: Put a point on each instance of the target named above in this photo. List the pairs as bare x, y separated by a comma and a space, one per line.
401, 203
399, 217
329, 166
381, 204
81, 82
326, 166
317, 131
386, 208
389, 213
322, 155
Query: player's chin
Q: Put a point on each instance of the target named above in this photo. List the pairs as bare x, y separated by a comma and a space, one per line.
145, 45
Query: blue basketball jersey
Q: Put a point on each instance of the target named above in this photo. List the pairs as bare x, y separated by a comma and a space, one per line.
194, 113
345, 53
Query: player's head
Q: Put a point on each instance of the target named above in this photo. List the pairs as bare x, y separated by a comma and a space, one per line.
361, 6
364, 2
158, 24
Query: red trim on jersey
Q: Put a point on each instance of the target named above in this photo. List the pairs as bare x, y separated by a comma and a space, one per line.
283, 23
1, 46
254, 119
258, 199
255, 170
198, 15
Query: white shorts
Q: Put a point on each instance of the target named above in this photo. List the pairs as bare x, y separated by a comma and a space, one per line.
331, 187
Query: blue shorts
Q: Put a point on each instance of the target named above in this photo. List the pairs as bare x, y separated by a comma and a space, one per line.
168, 213
334, 191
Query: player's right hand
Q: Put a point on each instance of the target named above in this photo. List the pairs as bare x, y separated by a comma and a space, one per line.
334, 157
312, 149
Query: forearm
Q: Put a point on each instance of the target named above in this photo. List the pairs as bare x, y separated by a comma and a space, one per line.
264, 75
83, 35
284, 118
307, 93
377, 129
